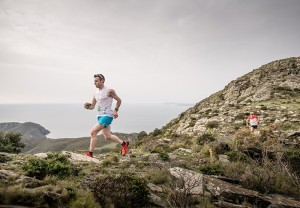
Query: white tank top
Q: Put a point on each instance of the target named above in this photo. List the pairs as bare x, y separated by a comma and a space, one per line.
104, 102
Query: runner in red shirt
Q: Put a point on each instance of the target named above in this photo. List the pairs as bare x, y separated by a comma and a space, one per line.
253, 121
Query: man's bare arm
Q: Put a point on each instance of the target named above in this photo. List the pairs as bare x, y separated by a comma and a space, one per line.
114, 95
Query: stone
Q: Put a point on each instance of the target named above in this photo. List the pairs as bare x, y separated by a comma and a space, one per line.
184, 150
224, 158
41, 155
230, 193
6, 174
154, 188
75, 158
193, 181
154, 199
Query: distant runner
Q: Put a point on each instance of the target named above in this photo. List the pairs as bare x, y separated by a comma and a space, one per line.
103, 97
253, 120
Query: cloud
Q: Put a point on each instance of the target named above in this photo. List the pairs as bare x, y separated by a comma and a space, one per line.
150, 51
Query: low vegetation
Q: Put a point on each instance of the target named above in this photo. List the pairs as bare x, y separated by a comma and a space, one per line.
125, 190
56, 164
11, 142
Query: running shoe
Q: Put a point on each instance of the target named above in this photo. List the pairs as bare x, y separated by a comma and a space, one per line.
125, 148
89, 154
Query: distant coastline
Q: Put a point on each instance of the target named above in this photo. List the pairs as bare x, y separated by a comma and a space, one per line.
73, 121
180, 104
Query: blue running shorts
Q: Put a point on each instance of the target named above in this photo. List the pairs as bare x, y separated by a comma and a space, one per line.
106, 120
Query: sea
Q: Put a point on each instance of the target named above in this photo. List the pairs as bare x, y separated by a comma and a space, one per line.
73, 121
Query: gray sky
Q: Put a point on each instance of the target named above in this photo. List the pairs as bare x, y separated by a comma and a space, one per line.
150, 51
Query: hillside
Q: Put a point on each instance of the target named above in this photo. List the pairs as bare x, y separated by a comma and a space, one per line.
272, 91
206, 157
212, 136
32, 134
28, 129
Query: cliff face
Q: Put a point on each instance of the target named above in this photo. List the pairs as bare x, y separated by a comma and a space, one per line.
272, 91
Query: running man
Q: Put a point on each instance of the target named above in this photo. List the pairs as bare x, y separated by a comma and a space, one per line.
253, 120
103, 98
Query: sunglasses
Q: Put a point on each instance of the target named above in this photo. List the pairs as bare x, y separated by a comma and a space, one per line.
100, 76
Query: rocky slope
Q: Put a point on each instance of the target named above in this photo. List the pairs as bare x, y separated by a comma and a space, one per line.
212, 136
272, 91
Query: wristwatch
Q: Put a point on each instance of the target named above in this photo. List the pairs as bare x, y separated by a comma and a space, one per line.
116, 109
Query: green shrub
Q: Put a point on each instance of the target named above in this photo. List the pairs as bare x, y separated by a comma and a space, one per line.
192, 123
234, 169
270, 180
205, 202
160, 148
17, 195
237, 156
11, 142
141, 135
241, 116
83, 199
221, 148
293, 158
52, 196
59, 165
36, 167
111, 160
4, 158
212, 124
285, 126
156, 132
293, 154
244, 138
206, 137
170, 134
164, 156
263, 107
56, 164
212, 169
125, 190
158, 176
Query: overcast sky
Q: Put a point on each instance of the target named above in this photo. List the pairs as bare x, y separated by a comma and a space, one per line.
150, 51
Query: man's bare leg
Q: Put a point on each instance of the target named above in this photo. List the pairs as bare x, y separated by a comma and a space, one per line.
94, 131
106, 133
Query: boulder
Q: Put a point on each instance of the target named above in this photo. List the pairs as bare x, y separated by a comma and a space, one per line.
193, 181
41, 155
154, 199
233, 193
154, 188
75, 158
